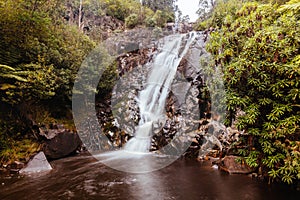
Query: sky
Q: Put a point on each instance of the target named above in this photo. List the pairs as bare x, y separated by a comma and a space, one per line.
189, 7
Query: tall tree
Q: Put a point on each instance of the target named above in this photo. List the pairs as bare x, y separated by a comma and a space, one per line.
205, 8
80, 15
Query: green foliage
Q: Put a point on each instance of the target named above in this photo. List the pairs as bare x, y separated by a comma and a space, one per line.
121, 9
8, 79
131, 11
252, 158
131, 21
14, 143
150, 22
257, 47
29, 82
39, 58
161, 18
223, 11
40, 49
17, 150
108, 80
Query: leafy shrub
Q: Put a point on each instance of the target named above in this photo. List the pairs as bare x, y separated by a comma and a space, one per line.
121, 9
257, 48
160, 18
150, 22
18, 150
131, 21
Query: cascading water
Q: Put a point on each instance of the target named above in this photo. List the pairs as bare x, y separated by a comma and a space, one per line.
135, 156
153, 97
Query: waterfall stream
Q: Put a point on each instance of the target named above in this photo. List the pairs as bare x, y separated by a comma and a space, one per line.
154, 90
153, 97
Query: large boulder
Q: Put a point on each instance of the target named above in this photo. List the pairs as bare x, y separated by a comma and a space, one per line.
37, 164
59, 142
232, 166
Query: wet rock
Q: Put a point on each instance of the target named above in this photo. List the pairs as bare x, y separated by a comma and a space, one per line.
230, 165
61, 144
127, 46
253, 175
212, 134
180, 90
37, 164
216, 128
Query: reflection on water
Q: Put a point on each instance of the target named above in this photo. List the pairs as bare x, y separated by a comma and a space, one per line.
134, 162
83, 177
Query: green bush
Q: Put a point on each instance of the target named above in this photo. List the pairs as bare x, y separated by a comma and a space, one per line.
131, 21
160, 18
150, 22
120, 8
257, 48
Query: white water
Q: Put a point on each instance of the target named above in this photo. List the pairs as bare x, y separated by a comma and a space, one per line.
152, 99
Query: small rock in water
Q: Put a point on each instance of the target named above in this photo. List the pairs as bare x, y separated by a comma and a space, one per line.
230, 165
38, 164
254, 175
215, 167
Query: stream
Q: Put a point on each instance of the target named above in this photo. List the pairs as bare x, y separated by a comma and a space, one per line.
83, 177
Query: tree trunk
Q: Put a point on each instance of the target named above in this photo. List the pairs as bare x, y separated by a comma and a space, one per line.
80, 16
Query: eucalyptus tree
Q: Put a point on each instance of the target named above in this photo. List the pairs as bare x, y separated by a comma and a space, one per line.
205, 8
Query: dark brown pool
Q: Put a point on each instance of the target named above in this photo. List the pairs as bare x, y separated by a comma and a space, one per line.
81, 177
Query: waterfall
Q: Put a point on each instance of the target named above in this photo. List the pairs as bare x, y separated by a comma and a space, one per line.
152, 98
